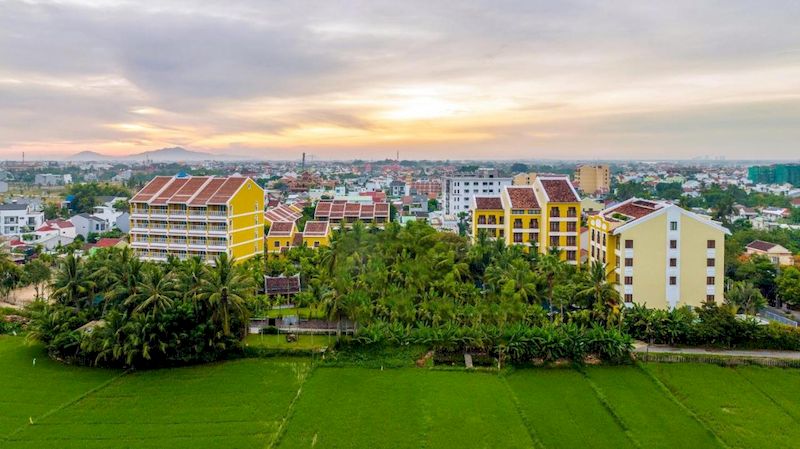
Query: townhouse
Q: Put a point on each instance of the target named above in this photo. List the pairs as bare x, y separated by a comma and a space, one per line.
540, 217
344, 213
203, 216
283, 235
659, 254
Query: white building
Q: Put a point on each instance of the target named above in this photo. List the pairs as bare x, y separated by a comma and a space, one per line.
53, 233
18, 218
458, 190
86, 224
49, 179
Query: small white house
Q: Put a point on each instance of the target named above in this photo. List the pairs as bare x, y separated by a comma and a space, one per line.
19, 218
86, 224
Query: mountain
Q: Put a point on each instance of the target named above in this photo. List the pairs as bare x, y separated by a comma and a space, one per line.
162, 155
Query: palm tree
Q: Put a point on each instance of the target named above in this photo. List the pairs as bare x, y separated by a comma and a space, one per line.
156, 292
603, 293
551, 267
224, 291
71, 285
190, 279
745, 296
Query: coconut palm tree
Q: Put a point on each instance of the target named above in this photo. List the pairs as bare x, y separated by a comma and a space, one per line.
603, 293
72, 286
156, 292
224, 291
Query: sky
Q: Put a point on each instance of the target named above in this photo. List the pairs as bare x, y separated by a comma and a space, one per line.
438, 79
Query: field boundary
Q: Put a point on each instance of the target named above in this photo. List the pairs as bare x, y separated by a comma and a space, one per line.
721, 360
525, 421
671, 395
606, 404
67, 404
276, 439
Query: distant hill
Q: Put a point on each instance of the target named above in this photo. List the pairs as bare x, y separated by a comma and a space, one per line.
162, 155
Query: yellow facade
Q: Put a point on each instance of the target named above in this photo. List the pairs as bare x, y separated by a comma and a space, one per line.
593, 178
197, 217
664, 257
531, 219
316, 242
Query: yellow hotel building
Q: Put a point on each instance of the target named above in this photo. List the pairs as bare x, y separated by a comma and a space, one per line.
659, 254
540, 216
204, 216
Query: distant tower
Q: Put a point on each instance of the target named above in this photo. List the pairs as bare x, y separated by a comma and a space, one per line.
23, 158
303, 164
397, 157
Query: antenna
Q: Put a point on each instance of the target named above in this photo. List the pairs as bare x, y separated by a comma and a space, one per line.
398, 156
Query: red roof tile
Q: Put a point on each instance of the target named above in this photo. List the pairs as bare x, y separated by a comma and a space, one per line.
323, 209
106, 242
761, 245
382, 210
316, 229
207, 192
168, 191
522, 198
227, 190
281, 229
559, 190
488, 203
352, 210
186, 192
151, 188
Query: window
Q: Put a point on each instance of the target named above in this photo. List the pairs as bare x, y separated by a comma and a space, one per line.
554, 212
673, 262
554, 241
316, 244
571, 226
570, 255
533, 224
554, 226
673, 225
710, 262
628, 297
711, 244
710, 280
502, 233
571, 240
571, 212
517, 223
673, 280
710, 298
277, 244
517, 237
592, 234
628, 244
604, 240
628, 280
629, 261
673, 244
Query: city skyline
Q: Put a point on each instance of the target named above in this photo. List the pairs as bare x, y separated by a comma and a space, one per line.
449, 80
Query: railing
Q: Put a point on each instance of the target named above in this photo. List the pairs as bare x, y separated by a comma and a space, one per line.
772, 316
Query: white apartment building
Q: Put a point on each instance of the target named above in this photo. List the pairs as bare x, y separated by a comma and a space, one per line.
459, 190
17, 219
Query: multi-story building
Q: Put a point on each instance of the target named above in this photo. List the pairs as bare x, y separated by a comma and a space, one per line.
459, 190
593, 178
659, 254
344, 213
17, 219
541, 216
524, 179
775, 174
202, 216
427, 188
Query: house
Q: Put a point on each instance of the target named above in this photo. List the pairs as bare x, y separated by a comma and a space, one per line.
19, 218
281, 236
775, 213
86, 224
282, 285
397, 188
344, 213
459, 190
54, 233
123, 222
316, 234
48, 179
203, 216
774, 252
659, 254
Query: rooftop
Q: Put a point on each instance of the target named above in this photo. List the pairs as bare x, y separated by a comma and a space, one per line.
191, 190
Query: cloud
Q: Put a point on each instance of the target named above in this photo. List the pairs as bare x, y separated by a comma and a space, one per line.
446, 79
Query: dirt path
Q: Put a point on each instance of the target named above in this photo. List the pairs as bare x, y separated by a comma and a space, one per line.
19, 298
768, 354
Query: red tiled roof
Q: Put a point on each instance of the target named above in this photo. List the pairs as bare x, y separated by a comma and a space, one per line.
282, 285
633, 208
761, 245
559, 190
194, 190
281, 229
283, 212
323, 209
382, 210
352, 210
315, 229
206, 192
367, 211
186, 192
168, 191
227, 190
152, 187
488, 203
106, 242
337, 210
522, 198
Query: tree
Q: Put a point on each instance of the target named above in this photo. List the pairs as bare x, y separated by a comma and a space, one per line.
746, 297
72, 285
789, 286
224, 292
156, 292
604, 294
37, 274
519, 167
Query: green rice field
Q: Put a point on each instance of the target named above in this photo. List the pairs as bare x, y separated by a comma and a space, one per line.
288, 403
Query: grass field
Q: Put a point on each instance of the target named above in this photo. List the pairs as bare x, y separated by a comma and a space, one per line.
278, 341
285, 403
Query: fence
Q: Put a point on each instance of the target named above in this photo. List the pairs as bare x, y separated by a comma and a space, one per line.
779, 318
661, 357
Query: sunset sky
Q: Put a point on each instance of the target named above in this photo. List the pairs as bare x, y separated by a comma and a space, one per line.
432, 79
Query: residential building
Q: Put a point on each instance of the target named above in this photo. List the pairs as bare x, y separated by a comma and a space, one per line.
86, 224
775, 174
284, 235
344, 213
524, 179
283, 212
19, 218
593, 178
774, 252
201, 216
459, 190
49, 179
427, 188
541, 216
54, 233
397, 188
659, 254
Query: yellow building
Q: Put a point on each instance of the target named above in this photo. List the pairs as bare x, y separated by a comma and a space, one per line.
523, 179
541, 216
659, 254
283, 235
593, 178
186, 216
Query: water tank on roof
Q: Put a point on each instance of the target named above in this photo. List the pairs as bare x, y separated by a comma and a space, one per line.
182, 174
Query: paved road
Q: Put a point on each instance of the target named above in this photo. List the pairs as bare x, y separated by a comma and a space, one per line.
793, 355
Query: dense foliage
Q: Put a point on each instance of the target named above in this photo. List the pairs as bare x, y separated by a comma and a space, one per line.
84, 196
113, 309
